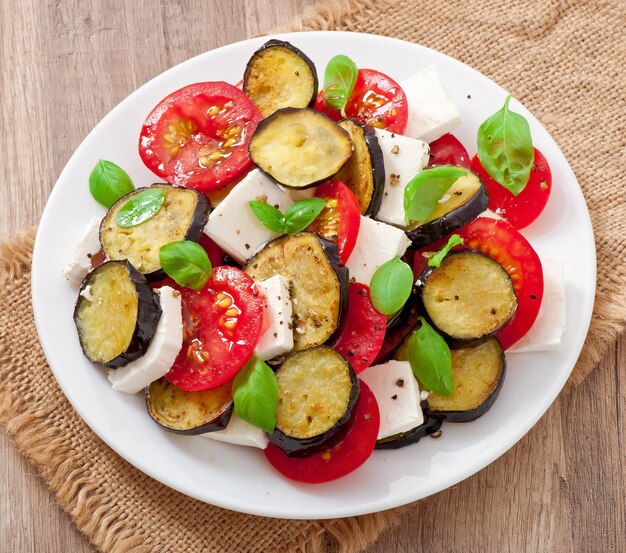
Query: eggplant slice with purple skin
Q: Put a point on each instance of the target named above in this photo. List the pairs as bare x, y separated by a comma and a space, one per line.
478, 373
364, 173
116, 314
299, 148
430, 425
466, 199
468, 298
279, 75
317, 279
317, 393
190, 413
182, 216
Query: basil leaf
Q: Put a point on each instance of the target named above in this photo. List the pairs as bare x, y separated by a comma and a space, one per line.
505, 148
436, 259
271, 217
301, 214
391, 286
255, 394
186, 262
140, 207
339, 79
425, 189
430, 359
108, 183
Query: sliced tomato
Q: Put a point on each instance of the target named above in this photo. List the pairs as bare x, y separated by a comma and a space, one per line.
448, 150
340, 220
523, 209
222, 324
215, 253
504, 244
198, 136
340, 460
364, 332
376, 99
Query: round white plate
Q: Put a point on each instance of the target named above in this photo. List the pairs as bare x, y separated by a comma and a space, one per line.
239, 478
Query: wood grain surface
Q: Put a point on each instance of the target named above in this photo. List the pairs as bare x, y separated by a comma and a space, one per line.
63, 66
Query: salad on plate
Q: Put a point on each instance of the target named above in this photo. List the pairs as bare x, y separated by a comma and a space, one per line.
322, 269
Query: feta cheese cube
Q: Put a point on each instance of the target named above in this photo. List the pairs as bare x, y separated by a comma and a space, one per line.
376, 244
277, 337
88, 246
239, 432
432, 112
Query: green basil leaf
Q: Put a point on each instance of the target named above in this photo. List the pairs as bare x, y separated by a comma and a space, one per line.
271, 217
425, 189
255, 394
505, 148
301, 214
339, 79
430, 359
391, 286
140, 207
186, 262
436, 259
108, 183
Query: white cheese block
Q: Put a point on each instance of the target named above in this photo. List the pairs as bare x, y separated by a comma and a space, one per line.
397, 394
277, 337
239, 432
403, 158
297, 194
376, 244
162, 351
234, 227
88, 246
547, 331
432, 112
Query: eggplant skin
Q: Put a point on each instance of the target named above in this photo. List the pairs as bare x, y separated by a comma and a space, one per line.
256, 81
305, 447
189, 413
366, 168
147, 315
430, 425
431, 231
169, 231
299, 148
474, 412
470, 282
399, 328
321, 322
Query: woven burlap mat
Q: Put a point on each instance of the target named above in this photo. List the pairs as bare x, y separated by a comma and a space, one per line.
563, 59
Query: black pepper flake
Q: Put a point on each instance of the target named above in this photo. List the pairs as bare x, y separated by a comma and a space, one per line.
394, 396
351, 353
400, 383
377, 327
297, 73
364, 359
533, 297
469, 96
458, 193
456, 297
89, 256
275, 334
361, 292
281, 322
247, 246
493, 310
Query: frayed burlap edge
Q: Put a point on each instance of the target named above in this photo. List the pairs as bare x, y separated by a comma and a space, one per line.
96, 516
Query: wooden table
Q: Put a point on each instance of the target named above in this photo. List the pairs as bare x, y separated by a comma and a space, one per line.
64, 65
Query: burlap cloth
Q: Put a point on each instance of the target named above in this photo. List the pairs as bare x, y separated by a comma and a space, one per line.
563, 59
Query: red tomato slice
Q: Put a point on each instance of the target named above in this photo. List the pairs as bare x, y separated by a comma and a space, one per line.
222, 324
198, 136
215, 253
523, 209
376, 99
340, 220
364, 332
349, 454
504, 244
448, 150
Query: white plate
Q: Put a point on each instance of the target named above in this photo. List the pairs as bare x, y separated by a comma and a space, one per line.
239, 478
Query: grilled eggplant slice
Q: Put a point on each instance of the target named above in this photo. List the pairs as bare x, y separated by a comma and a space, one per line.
478, 373
429, 426
182, 217
317, 393
189, 412
468, 298
364, 173
466, 199
299, 148
318, 283
116, 314
279, 75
